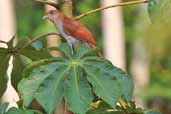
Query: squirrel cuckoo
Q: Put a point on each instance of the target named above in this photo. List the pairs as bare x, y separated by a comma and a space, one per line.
70, 29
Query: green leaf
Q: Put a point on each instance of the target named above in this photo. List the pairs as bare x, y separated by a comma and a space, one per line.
19, 111
52, 84
34, 54
101, 80
124, 80
19, 63
33, 51
72, 77
3, 108
43, 82
78, 93
66, 50
81, 52
4, 59
106, 68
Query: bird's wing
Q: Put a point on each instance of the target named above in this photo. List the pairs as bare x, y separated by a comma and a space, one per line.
78, 31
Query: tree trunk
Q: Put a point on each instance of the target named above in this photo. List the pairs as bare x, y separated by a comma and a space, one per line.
112, 25
7, 28
140, 60
52, 40
139, 70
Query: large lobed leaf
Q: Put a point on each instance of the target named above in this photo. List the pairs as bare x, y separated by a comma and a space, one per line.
33, 52
5, 54
19, 111
4, 59
77, 91
19, 63
74, 77
104, 84
3, 108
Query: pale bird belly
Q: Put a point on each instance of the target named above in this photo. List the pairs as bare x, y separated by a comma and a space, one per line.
67, 37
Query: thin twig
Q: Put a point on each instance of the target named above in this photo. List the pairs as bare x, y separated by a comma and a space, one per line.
122, 106
35, 39
46, 2
3, 42
54, 4
111, 6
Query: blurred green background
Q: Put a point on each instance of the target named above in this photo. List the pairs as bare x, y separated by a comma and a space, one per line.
158, 92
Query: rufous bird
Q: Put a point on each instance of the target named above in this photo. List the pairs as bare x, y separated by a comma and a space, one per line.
70, 29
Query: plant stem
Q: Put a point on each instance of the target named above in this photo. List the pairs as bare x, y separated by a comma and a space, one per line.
122, 106
111, 6
35, 39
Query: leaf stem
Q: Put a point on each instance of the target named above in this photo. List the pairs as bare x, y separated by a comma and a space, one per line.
111, 6
121, 102
35, 39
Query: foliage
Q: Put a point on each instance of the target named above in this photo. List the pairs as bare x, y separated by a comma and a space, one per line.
130, 108
78, 77
4, 57
13, 110
3, 108
71, 76
75, 77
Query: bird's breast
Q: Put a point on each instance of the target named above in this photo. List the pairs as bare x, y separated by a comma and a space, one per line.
66, 36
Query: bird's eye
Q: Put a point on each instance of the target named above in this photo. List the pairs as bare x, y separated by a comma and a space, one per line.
51, 12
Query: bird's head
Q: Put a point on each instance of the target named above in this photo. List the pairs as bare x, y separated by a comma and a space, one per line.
52, 15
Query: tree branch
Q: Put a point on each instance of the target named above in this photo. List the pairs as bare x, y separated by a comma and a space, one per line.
111, 6
54, 4
35, 39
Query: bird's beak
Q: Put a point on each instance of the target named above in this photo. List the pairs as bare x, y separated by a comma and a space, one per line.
45, 17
